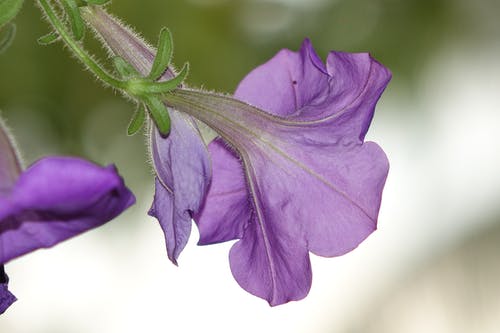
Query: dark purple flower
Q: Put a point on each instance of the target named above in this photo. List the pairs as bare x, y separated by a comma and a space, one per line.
57, 198
6, 297
54, 199
291, 173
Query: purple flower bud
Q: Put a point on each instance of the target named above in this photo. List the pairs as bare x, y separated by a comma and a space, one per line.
180, 160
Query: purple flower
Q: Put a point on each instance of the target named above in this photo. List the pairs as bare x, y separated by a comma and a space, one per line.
291, 174
54, 199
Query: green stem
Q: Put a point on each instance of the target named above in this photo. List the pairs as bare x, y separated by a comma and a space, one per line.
79, 52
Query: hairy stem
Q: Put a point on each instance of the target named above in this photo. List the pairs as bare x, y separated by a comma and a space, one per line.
77, 49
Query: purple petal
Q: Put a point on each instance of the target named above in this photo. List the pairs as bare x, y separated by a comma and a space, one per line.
357, 83
318, 207
285, 83
271, 260
226, 208
271, 263
296, 85
175, 222
6, 297
331, 194
183, 176
55, 199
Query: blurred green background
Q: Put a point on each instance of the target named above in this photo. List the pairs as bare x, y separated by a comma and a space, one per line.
433, 264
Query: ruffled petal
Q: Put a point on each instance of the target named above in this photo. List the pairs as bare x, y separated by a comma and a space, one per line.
286, 83
271, 263
58, 198
331, 193
326, 204
356, 84
345, 92
183, 175
175, 223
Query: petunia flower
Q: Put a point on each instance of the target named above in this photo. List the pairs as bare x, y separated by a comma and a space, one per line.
291, 173
180, 160
52, 200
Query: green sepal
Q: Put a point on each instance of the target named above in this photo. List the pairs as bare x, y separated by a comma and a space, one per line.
49, 38
97, 2
7, 34
163, 55
125, 69
137, 120
166, 86
75, 19
9, 10
159, 113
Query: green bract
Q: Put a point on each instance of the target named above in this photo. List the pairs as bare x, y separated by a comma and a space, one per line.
137, 120
163, 55
77, 25
123, 68
49, 38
